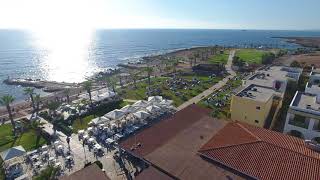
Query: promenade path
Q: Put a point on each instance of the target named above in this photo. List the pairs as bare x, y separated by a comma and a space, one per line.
215, 87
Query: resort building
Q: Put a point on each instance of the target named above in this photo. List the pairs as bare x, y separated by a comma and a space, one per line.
304, 116
275, 77
313, 85
256, 105
261, 98
196, 146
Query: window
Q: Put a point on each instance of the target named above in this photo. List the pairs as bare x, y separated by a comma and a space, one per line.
258, 107
256, 121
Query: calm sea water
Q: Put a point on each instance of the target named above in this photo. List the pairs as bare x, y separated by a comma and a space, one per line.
71, 56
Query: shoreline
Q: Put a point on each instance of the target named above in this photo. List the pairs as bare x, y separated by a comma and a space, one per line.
307, 42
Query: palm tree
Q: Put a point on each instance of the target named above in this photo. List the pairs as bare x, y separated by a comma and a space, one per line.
67, 93
134, 77
6, 101
174, 65
112, 83
37, 126
88, 87
149, 71
37, 100
30, 92
53, 106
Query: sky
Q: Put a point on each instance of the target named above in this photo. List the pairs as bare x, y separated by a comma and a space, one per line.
200, 14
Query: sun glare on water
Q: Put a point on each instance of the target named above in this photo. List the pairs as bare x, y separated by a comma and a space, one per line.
66, 54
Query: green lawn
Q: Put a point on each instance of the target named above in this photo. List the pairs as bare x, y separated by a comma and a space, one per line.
159, 82
29, 139
220, 58
251, 56
79, 125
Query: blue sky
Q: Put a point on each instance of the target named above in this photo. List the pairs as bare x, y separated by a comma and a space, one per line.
216, 14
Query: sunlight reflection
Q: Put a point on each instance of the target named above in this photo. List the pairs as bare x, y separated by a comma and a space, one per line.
67, 54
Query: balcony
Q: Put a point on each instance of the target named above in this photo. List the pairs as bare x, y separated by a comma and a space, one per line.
299, 121
316, 126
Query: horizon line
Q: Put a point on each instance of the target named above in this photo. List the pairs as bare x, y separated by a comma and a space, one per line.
168, 28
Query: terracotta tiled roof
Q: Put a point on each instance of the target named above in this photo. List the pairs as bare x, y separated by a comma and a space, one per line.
92, 172
262, 153
152, 173
160, 133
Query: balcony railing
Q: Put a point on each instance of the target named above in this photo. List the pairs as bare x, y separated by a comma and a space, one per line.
299, 122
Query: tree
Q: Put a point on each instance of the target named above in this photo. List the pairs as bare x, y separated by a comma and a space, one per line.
37, 126
37, 100
268, 58
88, 87
66, 92
112, 83
30, 92
295, 64
6, 101
134, 77
237, 61
53, 106
174, 65
149, 71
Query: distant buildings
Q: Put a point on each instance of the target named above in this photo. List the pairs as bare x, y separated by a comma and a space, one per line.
261, 98
192, 145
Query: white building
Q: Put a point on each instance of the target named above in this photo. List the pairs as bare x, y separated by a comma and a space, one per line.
313, 85
303, 116
275, 77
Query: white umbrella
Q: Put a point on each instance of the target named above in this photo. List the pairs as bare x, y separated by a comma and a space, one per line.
153, 109
99, 120
141, 114
129, 109
166, 103
156, 99
141, 103
115, 114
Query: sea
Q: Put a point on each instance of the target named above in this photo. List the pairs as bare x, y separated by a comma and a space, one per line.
66, 55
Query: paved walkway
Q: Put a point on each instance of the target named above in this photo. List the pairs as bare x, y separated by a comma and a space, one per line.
215, 87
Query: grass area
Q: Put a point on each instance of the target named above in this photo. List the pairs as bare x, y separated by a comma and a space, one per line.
220, 58
82, 123
251, 56
224, 111
29, 139
179, 96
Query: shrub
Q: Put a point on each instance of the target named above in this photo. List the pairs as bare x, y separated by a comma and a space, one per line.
99, 164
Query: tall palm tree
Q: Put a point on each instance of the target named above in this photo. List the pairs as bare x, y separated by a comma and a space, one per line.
30, 92
174, 65
88, 87
66, 92
6, 101
149, 71
53, 106
37, 100
112, 83
134, 77
37, 126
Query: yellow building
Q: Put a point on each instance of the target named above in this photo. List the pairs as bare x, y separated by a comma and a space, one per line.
256, 105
